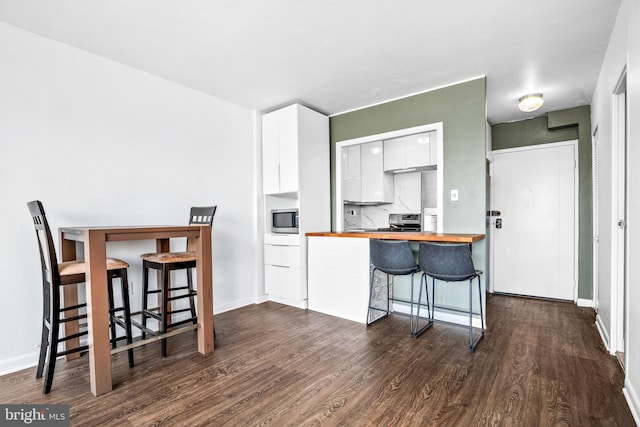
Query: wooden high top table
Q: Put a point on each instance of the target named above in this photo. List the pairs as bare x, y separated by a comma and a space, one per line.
95, 254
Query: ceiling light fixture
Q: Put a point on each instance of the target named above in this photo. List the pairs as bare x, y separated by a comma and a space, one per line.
531, 102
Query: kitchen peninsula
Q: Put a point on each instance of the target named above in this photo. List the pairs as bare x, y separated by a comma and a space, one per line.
339, 268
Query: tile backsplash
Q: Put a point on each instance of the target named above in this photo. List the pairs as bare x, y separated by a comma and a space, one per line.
407, 199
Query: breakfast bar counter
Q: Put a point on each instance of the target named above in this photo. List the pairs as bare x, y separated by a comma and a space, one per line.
413, 236
338, 270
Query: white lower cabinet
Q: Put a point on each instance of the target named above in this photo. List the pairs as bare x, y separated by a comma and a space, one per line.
282, 281
282, 272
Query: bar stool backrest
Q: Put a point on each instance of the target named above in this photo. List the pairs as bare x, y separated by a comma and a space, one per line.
450, 262
392, 256
202, 215
48, 258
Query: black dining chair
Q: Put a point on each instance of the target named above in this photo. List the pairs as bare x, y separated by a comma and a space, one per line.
450, 262
71, 273
165, 262
394, 258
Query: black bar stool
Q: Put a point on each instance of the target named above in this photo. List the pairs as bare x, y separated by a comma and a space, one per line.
449, 262
392, 257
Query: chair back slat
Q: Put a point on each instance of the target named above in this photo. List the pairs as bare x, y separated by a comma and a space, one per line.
202, 215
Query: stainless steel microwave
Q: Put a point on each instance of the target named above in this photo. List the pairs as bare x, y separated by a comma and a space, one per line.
285, 221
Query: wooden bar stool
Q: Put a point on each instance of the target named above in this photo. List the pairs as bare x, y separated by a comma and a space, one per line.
165, 263
71, 273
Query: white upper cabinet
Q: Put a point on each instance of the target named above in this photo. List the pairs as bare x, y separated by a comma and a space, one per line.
351, 173
280, 135
377, 186
363, 177
411, 151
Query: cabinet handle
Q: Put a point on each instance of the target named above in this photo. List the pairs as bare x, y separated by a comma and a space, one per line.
279, 265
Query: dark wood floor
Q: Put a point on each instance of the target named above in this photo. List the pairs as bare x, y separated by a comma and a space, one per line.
541, 363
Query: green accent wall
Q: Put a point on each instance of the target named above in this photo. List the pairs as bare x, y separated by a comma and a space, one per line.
462, 110
557, 126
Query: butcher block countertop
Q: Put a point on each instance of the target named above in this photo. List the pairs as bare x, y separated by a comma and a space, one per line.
413, 236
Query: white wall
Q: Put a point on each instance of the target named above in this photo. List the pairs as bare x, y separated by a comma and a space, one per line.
623, 50
100, 143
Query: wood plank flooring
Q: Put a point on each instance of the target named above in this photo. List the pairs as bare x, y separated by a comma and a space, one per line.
540, 363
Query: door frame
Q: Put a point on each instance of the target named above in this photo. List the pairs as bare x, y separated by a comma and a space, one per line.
576, 206
438, 127
595, 189
620, 241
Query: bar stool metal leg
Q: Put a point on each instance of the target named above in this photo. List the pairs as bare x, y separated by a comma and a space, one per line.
472, 344
415, 332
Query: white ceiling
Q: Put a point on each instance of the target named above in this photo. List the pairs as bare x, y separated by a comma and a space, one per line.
339, 55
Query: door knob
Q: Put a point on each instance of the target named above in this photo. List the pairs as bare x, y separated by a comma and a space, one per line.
499, 223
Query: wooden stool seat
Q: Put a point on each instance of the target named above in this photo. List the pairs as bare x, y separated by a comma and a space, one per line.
169, 257
69, 269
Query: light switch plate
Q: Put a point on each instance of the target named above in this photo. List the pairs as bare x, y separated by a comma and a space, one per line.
454, 195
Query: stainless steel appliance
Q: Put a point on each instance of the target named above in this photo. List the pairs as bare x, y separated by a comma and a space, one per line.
404, 222
285, 221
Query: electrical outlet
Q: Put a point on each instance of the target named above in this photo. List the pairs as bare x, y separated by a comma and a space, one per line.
454, 195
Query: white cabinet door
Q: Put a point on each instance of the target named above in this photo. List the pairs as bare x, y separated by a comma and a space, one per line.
288, 149
280, 151
394, 155
285, 256
351, 178
411, 151
433, 149
376, 185
283, 281
418, 150
270, 154
282, 272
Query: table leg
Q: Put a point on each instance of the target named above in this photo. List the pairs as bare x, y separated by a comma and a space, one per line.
163, 245
205, 291
70, 298
98, 312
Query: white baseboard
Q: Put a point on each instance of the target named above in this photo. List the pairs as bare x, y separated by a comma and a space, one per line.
442, 315
233, 305
262, 298
19, 363
633, 401
582, 302
292, 302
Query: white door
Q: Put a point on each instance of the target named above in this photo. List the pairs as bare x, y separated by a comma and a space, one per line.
534, 237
